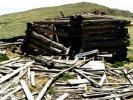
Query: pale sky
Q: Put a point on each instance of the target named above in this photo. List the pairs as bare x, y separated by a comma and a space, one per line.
11, 6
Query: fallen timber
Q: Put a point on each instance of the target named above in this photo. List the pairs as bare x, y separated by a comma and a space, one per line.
95, 82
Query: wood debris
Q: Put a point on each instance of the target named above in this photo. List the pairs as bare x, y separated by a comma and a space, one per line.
50, 72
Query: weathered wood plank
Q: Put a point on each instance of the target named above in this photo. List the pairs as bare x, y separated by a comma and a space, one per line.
26, 90
12, 92
32, 75
6, 77
102, 79
48, 84
63, 97
128, 76
87, 77
14, 59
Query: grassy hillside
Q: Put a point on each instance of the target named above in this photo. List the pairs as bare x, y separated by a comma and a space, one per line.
14, 24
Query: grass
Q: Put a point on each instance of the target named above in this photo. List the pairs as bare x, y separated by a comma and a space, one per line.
130, 55
131, 59
67, 76
15, 24
3, 57
51, 91
118, 64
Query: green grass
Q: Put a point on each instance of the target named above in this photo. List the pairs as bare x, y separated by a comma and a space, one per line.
118, 64
15, 24
3, 57
51, 91
66, 77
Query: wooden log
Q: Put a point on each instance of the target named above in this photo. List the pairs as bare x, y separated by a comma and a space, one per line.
78, 81
6, 77
45, 47
10, 44
107, 37
13, 97
101, 44
12, 92
8, 61
44, 90
48, 84
130, 71
3, 51
88, 27
47, 41
46, 59
46, 70
95, 95
26, 90
74, 91
48, 97
40, 50
94, 17
88, 78
14, 81
128, 76
89, 53
55, 22
29, 74
117, 83
91, 22
32, 78
102, 79
112, 96
24, 97
104, 84
63, 97
93, 70
107, 22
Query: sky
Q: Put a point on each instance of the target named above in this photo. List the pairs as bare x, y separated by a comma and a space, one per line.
11, 6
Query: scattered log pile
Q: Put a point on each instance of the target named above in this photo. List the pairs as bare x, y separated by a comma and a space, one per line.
25, 79
81, 32
53, 75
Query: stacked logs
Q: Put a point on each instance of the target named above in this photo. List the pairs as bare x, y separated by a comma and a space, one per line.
107, 35
81, 32
37, 41
98, 32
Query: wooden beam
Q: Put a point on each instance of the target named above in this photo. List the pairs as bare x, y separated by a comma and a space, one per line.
26, 90
87, 77
63, 97
6, 77
10, 93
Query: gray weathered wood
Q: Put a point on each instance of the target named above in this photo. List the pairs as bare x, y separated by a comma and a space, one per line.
12, 92
14, 81
87, 77
14, 59
6, 77
48, 84
32, 77
128, 76
26, 90
44, 90
102, 79
63, 97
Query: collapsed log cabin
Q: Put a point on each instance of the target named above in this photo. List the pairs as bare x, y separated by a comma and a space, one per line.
81, 32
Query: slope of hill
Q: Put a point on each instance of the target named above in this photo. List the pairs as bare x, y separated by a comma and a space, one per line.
14, 24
